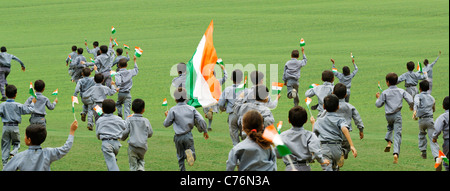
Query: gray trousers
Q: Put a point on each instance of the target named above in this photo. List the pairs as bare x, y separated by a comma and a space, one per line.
394, 129
298, 167
182, 143
234, 128
292, 84
34, 119
426, 125
10, 136
125, 100
136, 158
445, 151
4, 72
412, 90
333, 153
110, 149
88, 109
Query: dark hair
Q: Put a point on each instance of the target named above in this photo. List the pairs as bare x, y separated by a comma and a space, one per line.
327, 76
392, 78
36, 133
298, 116
95, 43
80, 50
86, 72
425, 62
295, 54
98, 78
261, 92
108, 106
138, 105
424, 85
181, 67
39, 85
10, 91
180, 94
445, 103
256, 77
340, 90
123, 63
119, 51
331, 103
74, 48
346, 70
3, 49
253, 120
236, 76
410, 66
103, 49
99, 52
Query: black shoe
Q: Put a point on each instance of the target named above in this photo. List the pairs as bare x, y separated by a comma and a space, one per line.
314, 107
83, 117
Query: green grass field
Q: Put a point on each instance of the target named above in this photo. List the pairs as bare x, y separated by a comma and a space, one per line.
383, 36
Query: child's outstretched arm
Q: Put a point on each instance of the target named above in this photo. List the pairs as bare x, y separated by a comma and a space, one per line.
349, 139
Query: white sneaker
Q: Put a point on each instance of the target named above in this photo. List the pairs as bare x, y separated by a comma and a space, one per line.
294, 93
189, 157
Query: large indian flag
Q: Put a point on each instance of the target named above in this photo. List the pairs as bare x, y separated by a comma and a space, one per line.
203, 88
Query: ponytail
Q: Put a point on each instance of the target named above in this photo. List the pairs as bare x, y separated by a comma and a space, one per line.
253, 125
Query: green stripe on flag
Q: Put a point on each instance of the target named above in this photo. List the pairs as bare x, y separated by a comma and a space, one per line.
283, 150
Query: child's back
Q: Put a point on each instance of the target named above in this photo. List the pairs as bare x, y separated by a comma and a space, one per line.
184, 117
139, 129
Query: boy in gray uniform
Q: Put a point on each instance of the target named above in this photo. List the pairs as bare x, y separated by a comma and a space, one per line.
11, 112
262, 94
323, 90
348, 112
82, 86
97, 93
330, 129
104, 62
119, 57
184, 117
226, 103
139, 129
92, 51
38, 115
393, 97
76, 65
215, 108
36, 158
424, 106
109, 130
429, 70
291, 74
304, 145
5, 68
441, 125
72, 55
411, 79
124, 81
346, 77
249, 95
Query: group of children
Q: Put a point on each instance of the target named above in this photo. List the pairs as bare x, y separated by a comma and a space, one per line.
248, 109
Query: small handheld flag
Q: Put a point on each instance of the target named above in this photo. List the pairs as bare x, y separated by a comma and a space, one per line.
219, 61
279, 125
419, 66
98, 109
55, 92
31, 91
351, 55
276, 87
241, 86
302, 42
308, 101
379, 87
271, 134
74, 100
442, 157
126, 47
138, 51
113, 30
70, 59
334, 70
313, 85
113, 73
115, 42
92, 60
164, 103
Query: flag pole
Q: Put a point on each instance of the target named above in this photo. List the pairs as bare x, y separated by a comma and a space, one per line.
291, 163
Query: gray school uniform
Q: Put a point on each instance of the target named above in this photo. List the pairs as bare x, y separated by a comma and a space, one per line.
291, 75
38, 115
392, 99
77, 67
346, 80
226, 103
93, 51
82, 86
11, 113
184, 117
249, 156
258, 106
424, 104
118, 58
37, 158
305, 148
124, 82
328, 129
250, 97
104, 63
139, 130
429, 70
95, 95
179, 81
441, 125
109, 129
5, 68
321, 92
349, 112
411, 80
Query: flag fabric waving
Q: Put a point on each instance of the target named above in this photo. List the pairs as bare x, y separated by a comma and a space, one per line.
113, 30
201, 84
164, 102
138, 51
313, 85
419, 66
271, 134
302, 42
279, 125
55, 92
98, 109
31, 91
276, 87
126, 47
74, 100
